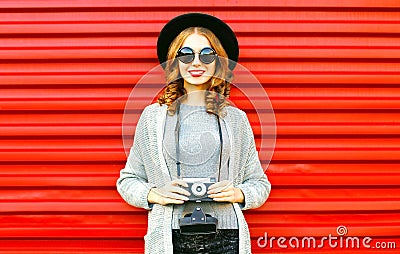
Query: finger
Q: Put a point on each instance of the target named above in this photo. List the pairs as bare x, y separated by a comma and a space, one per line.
225, 194
172, 201
180, 182
177, 196
221, 189
179, 190
170, 194
226, 199
222, 197
219, 184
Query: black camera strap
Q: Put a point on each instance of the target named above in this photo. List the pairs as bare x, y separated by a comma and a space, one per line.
177, 150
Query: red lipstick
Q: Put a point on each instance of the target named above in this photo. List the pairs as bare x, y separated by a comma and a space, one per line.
196, 73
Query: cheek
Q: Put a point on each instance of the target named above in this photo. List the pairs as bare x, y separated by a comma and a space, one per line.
182, 68
211, 68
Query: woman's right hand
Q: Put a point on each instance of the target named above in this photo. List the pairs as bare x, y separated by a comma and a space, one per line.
171, 193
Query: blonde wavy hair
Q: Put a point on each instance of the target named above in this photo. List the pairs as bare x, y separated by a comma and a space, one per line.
219, 85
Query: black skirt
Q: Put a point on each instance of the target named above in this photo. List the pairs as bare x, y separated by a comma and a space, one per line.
225, 241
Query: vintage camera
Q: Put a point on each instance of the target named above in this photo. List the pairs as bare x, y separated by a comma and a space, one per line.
198, 188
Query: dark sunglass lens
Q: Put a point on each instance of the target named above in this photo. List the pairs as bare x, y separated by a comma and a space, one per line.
207, 55
185, 55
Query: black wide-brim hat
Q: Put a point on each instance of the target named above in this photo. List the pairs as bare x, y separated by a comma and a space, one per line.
221, 30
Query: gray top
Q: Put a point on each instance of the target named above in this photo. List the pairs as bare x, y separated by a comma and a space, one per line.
199, 149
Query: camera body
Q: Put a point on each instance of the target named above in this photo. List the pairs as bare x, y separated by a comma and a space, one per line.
198, 188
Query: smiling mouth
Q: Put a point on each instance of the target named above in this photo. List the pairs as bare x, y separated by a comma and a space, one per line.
196, 73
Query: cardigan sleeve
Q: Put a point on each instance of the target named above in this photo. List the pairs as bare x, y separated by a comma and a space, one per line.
255, 186
133, 185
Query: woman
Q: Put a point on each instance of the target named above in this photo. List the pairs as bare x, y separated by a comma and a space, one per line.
193, 137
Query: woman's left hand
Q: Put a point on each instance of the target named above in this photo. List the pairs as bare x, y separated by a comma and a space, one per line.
225, 192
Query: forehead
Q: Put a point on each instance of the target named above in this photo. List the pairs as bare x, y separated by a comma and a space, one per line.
196, 42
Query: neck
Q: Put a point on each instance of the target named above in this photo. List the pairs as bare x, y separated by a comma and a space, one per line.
195, 98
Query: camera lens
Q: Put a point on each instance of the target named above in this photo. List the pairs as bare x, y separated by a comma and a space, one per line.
199, 189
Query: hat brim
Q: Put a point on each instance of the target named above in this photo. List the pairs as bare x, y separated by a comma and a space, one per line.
221, 30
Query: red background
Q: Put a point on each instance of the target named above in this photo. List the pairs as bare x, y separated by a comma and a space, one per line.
330, 68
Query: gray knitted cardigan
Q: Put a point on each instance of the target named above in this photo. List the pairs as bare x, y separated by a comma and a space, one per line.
146, 168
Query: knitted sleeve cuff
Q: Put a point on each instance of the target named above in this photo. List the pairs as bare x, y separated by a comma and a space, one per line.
143, 197
135, 193
248, 197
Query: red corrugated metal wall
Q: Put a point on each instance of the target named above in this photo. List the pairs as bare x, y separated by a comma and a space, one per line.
331, 69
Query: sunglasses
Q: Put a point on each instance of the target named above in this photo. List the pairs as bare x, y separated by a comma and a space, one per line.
206, 55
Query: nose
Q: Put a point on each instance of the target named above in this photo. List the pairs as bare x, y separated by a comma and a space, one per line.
196, 61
